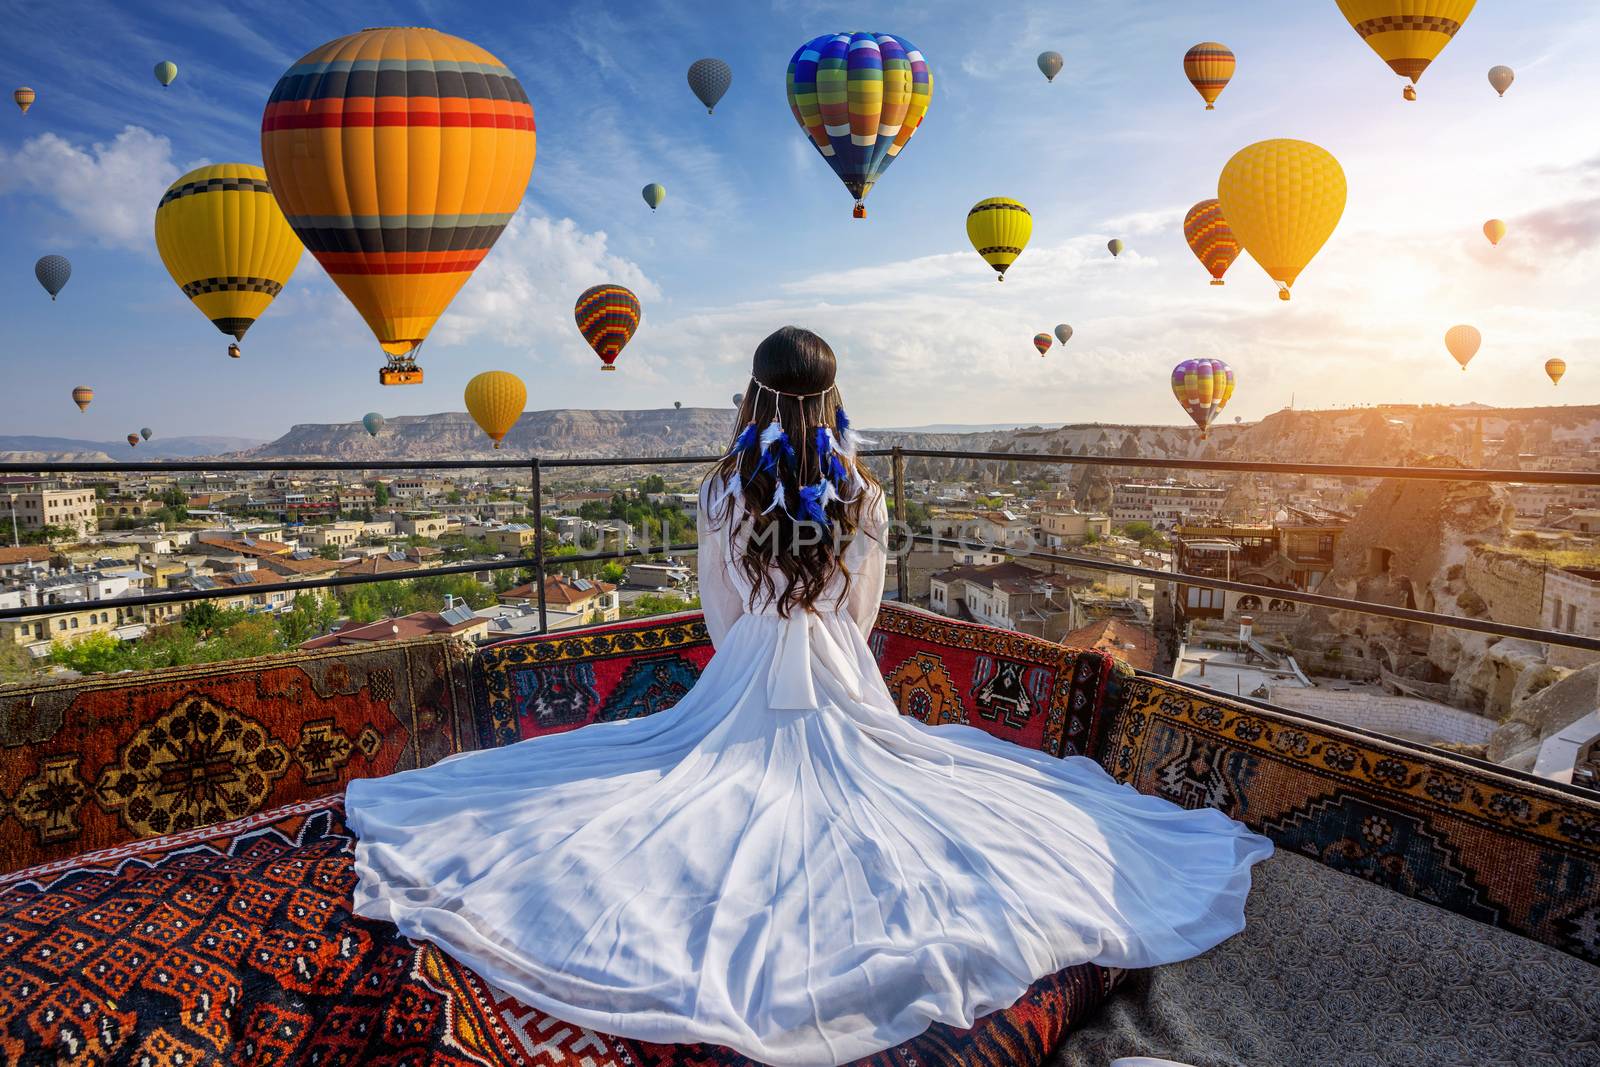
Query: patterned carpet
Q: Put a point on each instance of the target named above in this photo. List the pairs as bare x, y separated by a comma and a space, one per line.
234, 944
1332, 971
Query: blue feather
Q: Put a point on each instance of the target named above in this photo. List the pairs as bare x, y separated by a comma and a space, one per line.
837, 470
745, 441
811, 497
841, 421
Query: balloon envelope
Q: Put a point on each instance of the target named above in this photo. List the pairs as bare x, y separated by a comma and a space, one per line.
999, 228
1209, 67
607, 316
1042, 341
1463, 343
708, 80
653, 194
1406, 34
1282, 199
738, 399
1050, 64
1555, 368
167, 72
1211, 238
225, 243
133, 440
1115, 246
1501, 78
860, 97
1063, 333
52, 272
82, 396
399, 156
677, 405
145, 432
495, 400
1494, 230
372, 422
1203, 387
24, 97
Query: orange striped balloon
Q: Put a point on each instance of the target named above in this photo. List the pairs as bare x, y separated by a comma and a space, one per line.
1211, 238
399, 155
82, 396
1209, 66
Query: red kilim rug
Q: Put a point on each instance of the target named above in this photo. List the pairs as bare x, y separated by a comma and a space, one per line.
236, 944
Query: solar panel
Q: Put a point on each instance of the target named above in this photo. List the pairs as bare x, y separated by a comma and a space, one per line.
457, 615
583, 585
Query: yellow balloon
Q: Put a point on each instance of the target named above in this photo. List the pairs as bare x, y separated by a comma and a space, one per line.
1555, 368
495, 400
1494, 230
1283, 199
226, 243
1407, 34
1463, 342
999, 229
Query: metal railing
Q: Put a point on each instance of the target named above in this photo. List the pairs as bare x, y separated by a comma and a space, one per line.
541, 559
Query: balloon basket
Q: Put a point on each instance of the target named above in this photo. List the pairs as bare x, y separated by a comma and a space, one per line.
233, 352
860, 211
607, 366
399, 376
1216, 281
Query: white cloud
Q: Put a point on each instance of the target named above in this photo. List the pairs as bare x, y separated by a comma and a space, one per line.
107, 191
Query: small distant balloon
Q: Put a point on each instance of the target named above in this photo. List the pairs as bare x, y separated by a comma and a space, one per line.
372, 422
1209, 67
1042, 341
133, 440
1463, 343
82, 396
1501, 78
1063, 333
999, 228
145, 432
167, 72
52, 272
24, 97
653, 194
1050, 64
677, 405
1494, 230
708, 80
1115, 246
1237, 419
738, 400
1555, 368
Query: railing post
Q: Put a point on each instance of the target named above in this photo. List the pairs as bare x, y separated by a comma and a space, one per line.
903, 558
538, 541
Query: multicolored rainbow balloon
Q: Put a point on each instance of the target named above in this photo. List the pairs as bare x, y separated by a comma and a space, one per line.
607, 316
1203, 387
1043, 341
1211, 238
860, 97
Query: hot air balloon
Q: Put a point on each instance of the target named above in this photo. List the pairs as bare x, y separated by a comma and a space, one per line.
653, 194
1501, 78
1463, 342
133, 440
1494, 230
677, 405
607, 316
1042, 342
1063, 333
1115, 246
82, 396
999, 229
24, 97
166, 72
226, 244
1050, 64
1209, 67
52, 272
860, 97
1282, 200
495, 400
1406, 34
1555, 368
1210, 238
398, 156
145, 432
738, 400
708, 80
1203, 387
372, 422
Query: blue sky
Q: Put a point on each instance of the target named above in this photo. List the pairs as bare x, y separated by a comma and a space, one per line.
757, 232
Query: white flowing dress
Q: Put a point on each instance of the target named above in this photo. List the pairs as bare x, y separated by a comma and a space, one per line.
782, 863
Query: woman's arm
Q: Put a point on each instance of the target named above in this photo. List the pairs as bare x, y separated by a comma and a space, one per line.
866, 559
719, 599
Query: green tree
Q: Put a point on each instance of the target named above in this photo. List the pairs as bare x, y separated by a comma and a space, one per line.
380, 494
96, 653
654, 604
16, 664
253, 636
653, 484
362, 605
330, 552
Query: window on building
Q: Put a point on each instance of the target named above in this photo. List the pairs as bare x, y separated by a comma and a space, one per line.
1572, 618
1555, 615
74, 624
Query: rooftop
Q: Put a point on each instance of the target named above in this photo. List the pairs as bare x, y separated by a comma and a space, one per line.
417, 624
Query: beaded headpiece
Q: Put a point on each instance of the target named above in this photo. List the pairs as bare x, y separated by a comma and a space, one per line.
835, 443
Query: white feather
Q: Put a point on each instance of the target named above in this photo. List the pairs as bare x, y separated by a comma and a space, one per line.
778, 500
770, 435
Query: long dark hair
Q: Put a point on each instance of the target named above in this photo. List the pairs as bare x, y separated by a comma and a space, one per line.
791, 383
